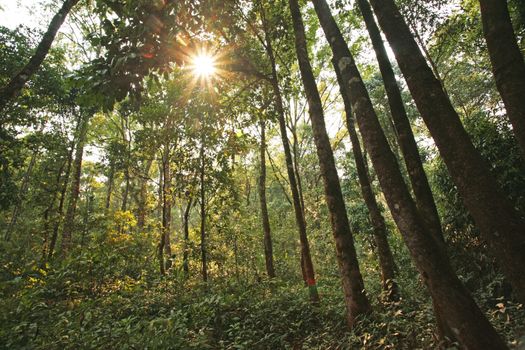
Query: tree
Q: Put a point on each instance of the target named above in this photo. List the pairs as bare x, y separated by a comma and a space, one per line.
306, 259
386, 260
19, 80
507, 63
418, 179
69, 221
355, 298
452, 300
501, 225
268, 250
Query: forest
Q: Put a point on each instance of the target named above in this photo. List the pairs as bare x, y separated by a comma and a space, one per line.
262, 174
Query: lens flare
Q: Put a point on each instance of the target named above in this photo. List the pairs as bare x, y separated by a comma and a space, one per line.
203, 65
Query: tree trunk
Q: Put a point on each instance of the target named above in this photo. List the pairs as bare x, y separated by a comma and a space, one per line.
203, 215
60, 210
306, 263
48, 214
109, 185
501, 225
16, 84
69, 222
451, 298
268, 250
386, 260
164, 245
143, 196
423, 194
185, 254
507, 63
355, 297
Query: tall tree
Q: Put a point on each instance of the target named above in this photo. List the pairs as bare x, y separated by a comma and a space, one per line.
69, 221
451, 298
507, 63
386, 260
268, 249
501, 225
306, 259
422, 192
355, 297
19, 80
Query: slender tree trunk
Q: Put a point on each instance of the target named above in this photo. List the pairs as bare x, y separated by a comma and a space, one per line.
48, 214
18, 81
109, 185
185, 254
386, 260
451, 298
160, 189
355, 297
268, 250
143, 196
21, 196
60, 210
69, 222
125, 195
418, 179
501, 225
203, 215
306, 264
507, 63
166, 212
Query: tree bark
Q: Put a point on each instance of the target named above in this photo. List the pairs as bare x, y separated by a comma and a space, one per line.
16, 83
501, 225
471, 327
507, 63
306, 263
418, 179
69, 222
356, 300
268, 249
386, 260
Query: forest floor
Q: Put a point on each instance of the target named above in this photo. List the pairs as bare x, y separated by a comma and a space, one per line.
78, 306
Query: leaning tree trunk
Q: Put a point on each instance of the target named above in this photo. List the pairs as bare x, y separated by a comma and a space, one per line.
470, 325
501, 225
356, 300
69, 222
386, 260
268, 250
418, 179
16, 84
507, 63
307, 266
